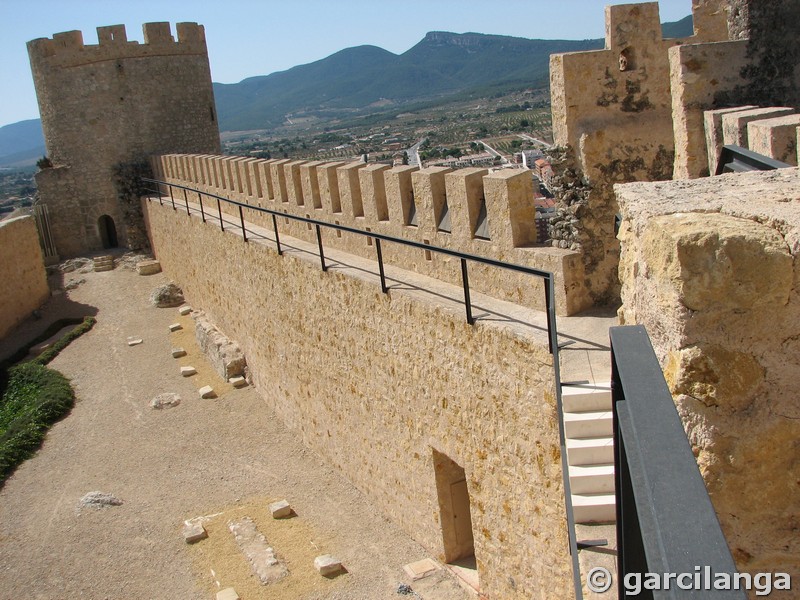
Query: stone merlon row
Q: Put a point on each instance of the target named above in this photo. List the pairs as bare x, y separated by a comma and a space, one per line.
113, 41
468, 210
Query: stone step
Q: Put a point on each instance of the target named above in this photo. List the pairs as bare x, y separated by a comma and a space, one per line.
592, 424
592, 479
586, 397
103, 263
590, 451
594, 508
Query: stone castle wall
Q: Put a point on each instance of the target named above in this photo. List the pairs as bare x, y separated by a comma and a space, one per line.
398, 382
113, 103
710, 267
381, 199
22, 272
613, 109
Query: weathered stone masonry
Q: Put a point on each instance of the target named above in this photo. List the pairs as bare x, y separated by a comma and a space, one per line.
376, 383
115, 103
714, 277
613, 109
379, 199
22, 271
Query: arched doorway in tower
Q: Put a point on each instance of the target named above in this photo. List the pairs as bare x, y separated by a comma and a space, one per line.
108, 232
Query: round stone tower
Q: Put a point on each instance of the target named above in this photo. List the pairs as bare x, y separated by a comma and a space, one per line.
106, 108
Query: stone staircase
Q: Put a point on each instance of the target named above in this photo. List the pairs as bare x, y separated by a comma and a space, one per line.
588, 428
104, 263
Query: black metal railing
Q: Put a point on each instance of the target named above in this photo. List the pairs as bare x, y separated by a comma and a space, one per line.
735, 159
665, 520
464, 258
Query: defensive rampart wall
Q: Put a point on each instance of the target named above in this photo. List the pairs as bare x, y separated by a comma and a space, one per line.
22, 271
436, 206
398, 392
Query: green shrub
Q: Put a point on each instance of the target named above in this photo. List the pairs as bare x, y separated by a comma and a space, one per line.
34, 399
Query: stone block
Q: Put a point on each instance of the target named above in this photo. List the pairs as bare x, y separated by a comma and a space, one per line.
712, 120
167, 296
185, 310
188, 371
327, 565
134, 341
281, 509
717, 262
225, 356
194, 532
148, 267
776, 138
734, 125
103, 263
237, 382
178, 352
175, 327
207, 392
227, 594
421, 568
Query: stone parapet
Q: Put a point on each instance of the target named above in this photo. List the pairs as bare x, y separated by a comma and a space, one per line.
775, 137
67, 49
700, 74
712, 124
22, 270
734, 124
614, 109
447, 209
709, 267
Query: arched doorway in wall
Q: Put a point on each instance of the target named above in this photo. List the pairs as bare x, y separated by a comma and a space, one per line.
108, 232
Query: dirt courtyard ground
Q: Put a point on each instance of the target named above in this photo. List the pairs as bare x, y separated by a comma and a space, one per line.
227, 457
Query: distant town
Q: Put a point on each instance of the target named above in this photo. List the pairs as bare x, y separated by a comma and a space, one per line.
506, 130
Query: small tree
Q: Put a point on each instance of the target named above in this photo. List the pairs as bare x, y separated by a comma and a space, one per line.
44, 163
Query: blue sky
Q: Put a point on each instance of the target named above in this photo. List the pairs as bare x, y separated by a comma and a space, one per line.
252, 37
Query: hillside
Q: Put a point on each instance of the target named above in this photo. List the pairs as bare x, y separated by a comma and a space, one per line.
441, 64
22, 143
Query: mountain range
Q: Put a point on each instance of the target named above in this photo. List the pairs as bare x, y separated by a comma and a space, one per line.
440, 67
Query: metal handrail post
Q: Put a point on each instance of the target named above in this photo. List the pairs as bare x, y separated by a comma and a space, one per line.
465, 282
384, 289
321, 253
186, 200
548, 305
171, 197
202, 212
241, 218
277, 237
219, 210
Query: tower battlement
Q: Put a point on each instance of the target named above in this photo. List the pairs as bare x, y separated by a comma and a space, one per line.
68, 49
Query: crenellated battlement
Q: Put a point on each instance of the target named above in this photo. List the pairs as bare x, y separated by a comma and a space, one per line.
613, 108
68, 48
470, 210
